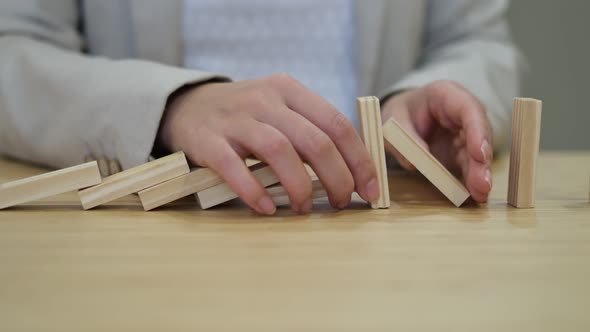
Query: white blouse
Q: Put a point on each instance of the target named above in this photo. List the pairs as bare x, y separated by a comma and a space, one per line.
312, 40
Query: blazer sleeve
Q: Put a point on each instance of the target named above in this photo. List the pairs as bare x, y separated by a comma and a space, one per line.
58, 105
468, 41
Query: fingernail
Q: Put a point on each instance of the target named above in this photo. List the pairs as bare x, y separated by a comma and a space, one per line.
306, 206
266, 205
488, 178
373, 190
486, 151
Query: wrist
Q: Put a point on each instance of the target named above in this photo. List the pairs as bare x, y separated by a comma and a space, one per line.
163, 142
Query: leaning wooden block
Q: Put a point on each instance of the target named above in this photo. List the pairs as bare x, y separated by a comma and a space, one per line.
526, 131
280, 196
369, 114
49, 184
222, 193
134, 179
179, 187
425, 162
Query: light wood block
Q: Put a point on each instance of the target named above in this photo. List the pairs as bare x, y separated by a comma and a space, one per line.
49, 184
114, 166
135, 179
103, 166
222, 193
182, 186
280, 196
369, 114
526, 131
425, 163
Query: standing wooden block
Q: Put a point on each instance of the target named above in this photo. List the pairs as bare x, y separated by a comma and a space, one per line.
425, 162
280, 196
526, 131
222, 193
134, 179
114, 166
103, 166
49, 184
369, 114
179, 187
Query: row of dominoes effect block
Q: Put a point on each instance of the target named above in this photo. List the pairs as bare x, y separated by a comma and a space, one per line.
374, 134
526, 130
93, 189
157, 183
168, 179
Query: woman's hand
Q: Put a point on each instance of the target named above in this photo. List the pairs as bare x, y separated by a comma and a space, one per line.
279, 121
451, 123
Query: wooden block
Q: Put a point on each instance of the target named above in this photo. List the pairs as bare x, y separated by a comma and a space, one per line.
279, 194
222, 193
179, 187
526, 131
114, 166
369, 114
49, 184
103, 166
134, 179
425, 162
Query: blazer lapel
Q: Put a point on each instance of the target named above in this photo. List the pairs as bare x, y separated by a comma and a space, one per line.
157, 27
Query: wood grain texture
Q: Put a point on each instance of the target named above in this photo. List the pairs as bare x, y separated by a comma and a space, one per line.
421, 266
222, 193
134, 179
425, 163
179, 187
369, 114
45, 185
526, 133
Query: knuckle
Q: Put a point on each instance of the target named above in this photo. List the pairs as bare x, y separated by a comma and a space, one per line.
319, 144
341, 127
275, 146
442, 87
251, 100
283, 80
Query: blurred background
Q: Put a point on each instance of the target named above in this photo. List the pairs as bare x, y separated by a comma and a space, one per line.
554, 37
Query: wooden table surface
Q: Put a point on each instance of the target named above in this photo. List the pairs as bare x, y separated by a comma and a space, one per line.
423, 265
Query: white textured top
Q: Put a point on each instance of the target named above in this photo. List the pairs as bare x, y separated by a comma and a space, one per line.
313, 41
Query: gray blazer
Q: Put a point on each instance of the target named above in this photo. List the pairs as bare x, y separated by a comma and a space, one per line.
92, 77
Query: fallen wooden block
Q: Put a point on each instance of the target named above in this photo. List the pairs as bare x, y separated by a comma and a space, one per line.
134, 179
369, 114
49, 184
425, 162
222, 193
526, 131
182, 186
280, 196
